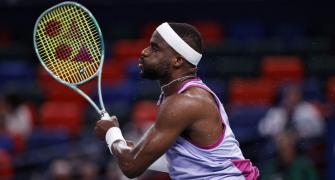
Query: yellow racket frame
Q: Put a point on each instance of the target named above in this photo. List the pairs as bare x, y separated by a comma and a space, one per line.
69, 72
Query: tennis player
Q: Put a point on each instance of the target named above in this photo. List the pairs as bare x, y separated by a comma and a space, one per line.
191, 128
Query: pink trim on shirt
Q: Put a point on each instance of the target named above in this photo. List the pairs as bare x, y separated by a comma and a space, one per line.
187, 81
221, 138
249, 171
162, 97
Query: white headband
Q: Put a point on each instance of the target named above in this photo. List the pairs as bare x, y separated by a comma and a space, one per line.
178, 44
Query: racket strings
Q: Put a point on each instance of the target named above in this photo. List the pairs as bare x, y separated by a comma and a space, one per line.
69, 43
62, 52
74, 33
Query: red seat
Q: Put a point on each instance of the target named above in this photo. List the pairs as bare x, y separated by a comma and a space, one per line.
6, 37
6, 168
62, 115
212, 32
113, 72
126, 50
19, 143
148, 28
331, 89
283, 68
44, 78
144, 112
56, 91
251, 91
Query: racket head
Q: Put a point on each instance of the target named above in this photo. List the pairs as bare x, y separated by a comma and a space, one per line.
69, 43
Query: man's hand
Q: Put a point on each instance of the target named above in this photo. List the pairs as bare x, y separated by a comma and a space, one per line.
102, 126
130, 144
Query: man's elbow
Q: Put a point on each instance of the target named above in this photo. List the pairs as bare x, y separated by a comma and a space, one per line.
131, 172
131, 175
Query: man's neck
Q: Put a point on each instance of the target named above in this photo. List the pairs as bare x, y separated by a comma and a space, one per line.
172, 86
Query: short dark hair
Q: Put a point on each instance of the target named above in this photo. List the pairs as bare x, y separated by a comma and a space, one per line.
189, 34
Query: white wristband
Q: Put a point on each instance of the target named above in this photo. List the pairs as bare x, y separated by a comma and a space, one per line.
114, 134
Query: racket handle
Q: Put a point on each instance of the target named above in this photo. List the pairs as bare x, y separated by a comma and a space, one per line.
105, 116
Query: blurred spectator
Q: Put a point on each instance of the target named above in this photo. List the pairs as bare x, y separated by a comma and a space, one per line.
6, 141
16, 114
89, 170
288, 165
60, 169
293, 113
113, 172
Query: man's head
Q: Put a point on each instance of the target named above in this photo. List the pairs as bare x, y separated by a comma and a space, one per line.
292, 96
174, 48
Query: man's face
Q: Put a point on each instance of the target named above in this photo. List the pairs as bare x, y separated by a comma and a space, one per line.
155, 60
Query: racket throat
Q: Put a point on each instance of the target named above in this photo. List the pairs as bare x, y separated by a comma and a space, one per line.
105, 116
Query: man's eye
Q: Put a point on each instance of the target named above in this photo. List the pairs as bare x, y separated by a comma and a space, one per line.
154, 48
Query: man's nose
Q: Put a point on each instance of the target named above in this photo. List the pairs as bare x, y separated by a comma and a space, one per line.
145, 52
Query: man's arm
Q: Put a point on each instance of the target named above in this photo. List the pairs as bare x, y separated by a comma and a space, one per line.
175, 114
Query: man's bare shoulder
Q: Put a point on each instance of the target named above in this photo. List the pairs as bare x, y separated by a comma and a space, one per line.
182, 102
188, 105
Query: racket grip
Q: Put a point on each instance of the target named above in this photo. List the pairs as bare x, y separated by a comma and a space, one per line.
105, 116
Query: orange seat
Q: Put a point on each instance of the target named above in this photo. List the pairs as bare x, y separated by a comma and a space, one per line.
331, 89
251, 91
283, 68
62, 115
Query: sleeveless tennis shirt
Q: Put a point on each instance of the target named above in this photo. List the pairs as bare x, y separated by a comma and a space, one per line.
221, 160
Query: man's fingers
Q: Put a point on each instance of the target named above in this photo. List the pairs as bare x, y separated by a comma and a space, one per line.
99, 132
130, 143
102, 126
113, 117
99, 121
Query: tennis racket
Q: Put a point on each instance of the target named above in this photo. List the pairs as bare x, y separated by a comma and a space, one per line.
69, 44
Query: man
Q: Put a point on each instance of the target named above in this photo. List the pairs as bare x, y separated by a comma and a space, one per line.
293, 114
192, 127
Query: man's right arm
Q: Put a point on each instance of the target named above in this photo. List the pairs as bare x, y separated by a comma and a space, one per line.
175, 114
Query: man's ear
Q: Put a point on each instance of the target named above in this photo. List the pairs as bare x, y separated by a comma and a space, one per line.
178, 61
